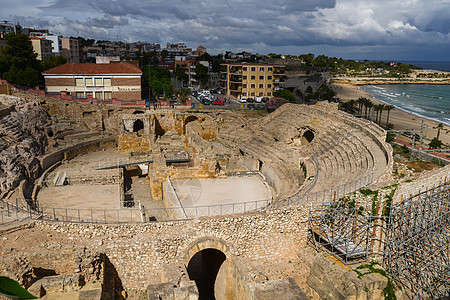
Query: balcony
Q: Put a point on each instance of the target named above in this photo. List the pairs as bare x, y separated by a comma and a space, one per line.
236, 89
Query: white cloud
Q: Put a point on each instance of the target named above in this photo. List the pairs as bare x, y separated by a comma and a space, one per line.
261, 25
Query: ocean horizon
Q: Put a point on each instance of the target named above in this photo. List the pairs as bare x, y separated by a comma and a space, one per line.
427, 101
430, 65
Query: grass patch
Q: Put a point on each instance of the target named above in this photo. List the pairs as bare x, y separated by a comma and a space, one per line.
389, 290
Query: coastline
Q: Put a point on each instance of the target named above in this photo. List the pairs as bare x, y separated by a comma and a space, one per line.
401, 119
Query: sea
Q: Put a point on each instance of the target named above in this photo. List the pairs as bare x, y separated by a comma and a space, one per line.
428, 101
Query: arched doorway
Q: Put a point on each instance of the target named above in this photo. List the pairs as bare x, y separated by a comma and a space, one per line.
138, 125
188, 120
307, 137
203, 268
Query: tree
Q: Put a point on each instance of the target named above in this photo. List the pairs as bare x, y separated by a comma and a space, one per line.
164, 54
285, 94
439, 127
381, 108
19, 62
52, 62
435, 143
388, 108
274, 103
201, 74
160, 79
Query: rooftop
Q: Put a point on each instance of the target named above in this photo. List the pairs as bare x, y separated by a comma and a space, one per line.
122, 68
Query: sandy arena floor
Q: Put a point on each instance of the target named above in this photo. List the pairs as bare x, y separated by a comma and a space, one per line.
81, 196
221, 191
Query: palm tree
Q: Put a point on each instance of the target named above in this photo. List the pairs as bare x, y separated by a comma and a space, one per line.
351, 105
360, 102
439, 127
388, 108
376, 108
369, 105
381, 107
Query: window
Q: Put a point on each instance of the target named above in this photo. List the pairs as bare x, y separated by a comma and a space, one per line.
244, 69
253, 77
88, 81
98, 82
107, 81
244, 94
252, 93
261, 86
261, 77
79, 82
269, 94
252, 86
244, 86
269, 86
261, 69
108, 95
261, 94
244, 77
79, 95
269, 69
269, 77
253, 69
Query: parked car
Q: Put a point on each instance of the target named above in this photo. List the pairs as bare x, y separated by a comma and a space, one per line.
243, 100
250, 100
258, 99
265, 100
217, 102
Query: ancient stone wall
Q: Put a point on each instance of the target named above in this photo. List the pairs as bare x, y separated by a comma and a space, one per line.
427, 180
72, 151
256, 241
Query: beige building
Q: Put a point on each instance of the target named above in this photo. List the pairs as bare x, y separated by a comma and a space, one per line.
42, 46
121, 81
70, 50
250, 80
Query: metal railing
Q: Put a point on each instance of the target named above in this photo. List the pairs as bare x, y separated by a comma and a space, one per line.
10, 211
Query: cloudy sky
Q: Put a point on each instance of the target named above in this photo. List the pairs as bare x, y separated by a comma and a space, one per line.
357, 29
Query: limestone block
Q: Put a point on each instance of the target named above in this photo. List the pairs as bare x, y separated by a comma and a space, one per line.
58, 283
95, 294
162, 291
279, 289
319, 288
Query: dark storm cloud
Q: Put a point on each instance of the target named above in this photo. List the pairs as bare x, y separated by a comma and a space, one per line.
258, 25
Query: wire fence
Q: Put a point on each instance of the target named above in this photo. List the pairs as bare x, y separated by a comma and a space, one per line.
136, 214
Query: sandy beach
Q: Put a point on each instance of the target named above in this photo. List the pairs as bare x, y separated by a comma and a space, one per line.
401, 119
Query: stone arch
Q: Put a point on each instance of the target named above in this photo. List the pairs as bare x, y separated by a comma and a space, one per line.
307, 137
138, 112
208, 262
188, 120
138, 125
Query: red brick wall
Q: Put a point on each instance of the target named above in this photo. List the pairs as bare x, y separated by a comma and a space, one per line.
59, 82
127, 95
126, 81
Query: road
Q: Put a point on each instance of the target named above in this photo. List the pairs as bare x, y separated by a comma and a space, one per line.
229, 104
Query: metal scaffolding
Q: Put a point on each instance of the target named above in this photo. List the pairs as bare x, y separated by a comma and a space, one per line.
341, 228
417, 250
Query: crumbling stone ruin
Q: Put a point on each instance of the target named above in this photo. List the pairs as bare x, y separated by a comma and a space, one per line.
23, 139
297, 150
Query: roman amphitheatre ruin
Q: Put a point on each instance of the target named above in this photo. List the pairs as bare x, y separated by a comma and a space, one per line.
107, 202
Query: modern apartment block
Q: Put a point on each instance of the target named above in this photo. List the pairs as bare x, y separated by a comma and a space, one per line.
70, 50
250, 80
42, 46
121, 81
